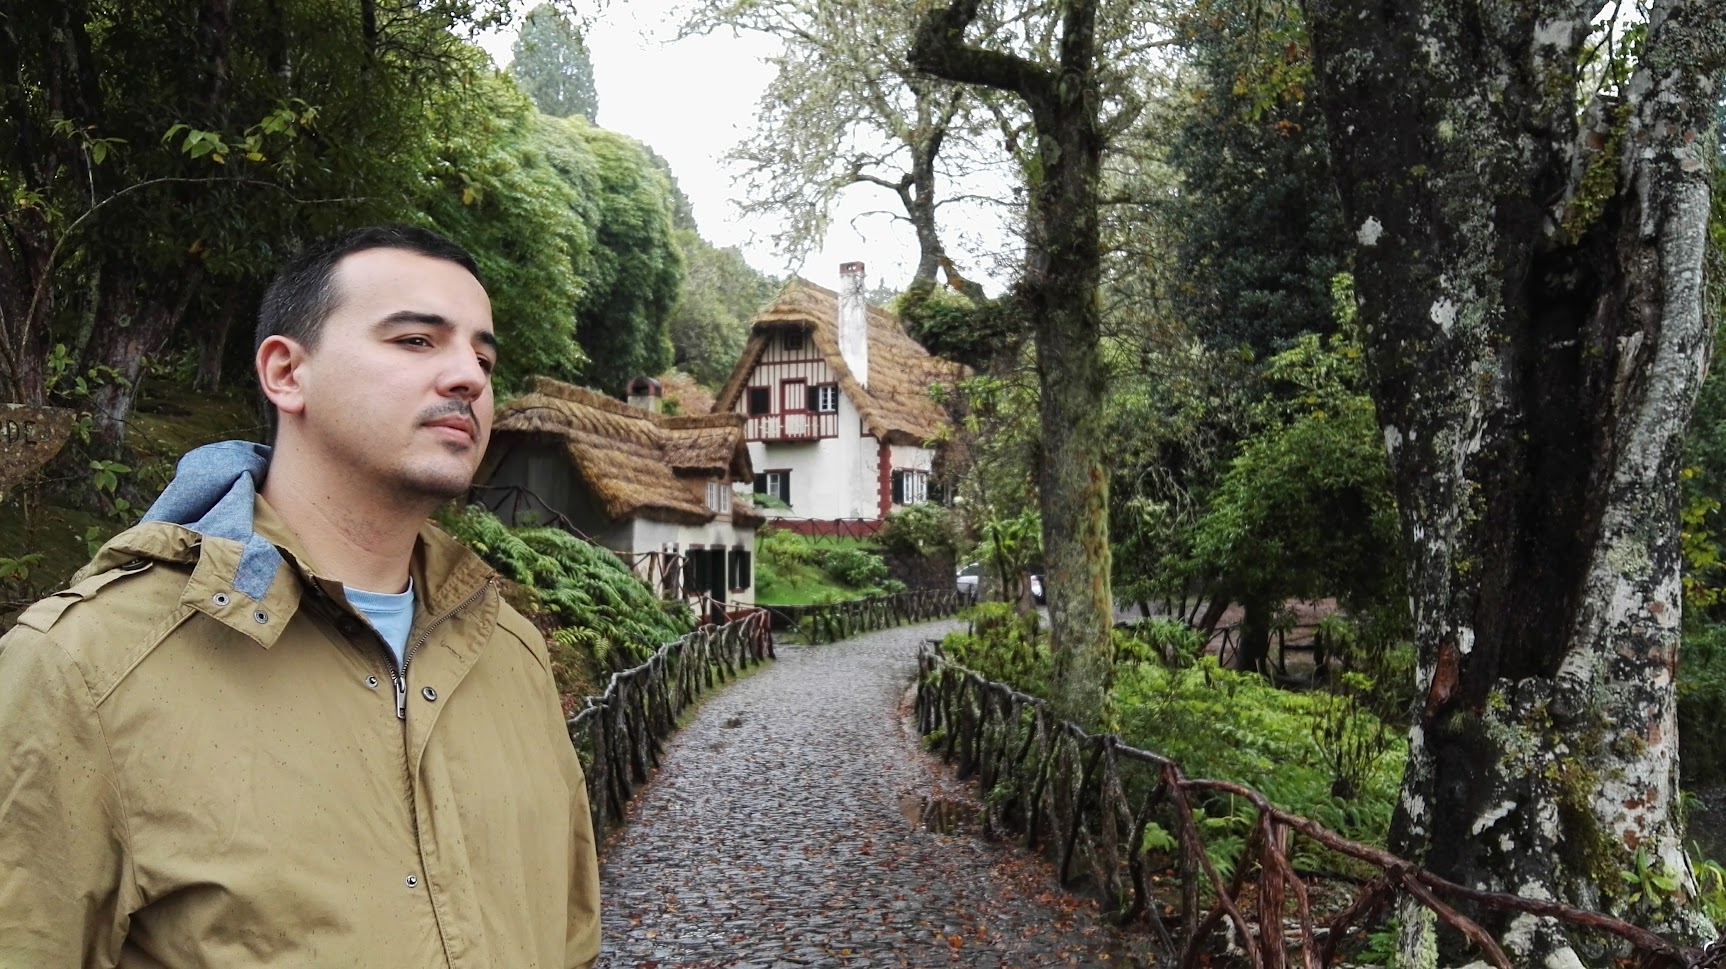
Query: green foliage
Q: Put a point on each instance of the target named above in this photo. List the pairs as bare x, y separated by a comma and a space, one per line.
721, 292
598, 603
1011, 546
793, 569
1221, 724
1003, 646
923, 529
1305, 509
1710, 885
854, 566
552, 65
1258, 224
1167, 641
956, 327
1702, 703
637, 268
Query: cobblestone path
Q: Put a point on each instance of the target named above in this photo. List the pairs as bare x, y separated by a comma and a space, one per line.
776, 836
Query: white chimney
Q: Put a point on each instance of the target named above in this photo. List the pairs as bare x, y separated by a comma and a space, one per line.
853, 321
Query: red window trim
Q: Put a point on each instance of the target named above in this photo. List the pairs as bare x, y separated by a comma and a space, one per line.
802, 396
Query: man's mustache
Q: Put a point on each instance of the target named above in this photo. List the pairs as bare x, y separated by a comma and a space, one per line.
448, 408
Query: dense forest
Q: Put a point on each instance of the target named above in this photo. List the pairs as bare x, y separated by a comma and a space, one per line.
1407, 313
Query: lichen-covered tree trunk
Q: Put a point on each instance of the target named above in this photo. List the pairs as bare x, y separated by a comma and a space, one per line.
1059, 291
1532, 300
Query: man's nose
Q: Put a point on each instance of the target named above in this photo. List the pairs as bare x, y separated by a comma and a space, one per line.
464, 377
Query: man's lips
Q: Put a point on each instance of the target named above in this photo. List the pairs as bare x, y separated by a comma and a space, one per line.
455, 422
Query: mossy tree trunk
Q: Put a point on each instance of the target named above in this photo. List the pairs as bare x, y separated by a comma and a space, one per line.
1059, 295
1533, 307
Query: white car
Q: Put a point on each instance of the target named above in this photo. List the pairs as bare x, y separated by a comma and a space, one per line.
968, 578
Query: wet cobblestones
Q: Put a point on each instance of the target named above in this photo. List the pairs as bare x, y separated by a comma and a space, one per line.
780, 834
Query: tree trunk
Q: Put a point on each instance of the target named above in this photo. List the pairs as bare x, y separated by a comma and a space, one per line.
1532, 304
213, 346
1059, 293
1253, 649
137, 323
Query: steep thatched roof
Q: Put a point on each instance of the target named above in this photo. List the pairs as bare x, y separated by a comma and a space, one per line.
637, 464
895, 406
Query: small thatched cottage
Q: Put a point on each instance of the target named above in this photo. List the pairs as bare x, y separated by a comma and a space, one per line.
655, 489
836, 398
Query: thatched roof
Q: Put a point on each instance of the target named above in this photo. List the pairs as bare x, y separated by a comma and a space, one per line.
895, 407
637, 464
690, 396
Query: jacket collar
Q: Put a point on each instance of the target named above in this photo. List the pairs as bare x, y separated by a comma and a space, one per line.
249, 570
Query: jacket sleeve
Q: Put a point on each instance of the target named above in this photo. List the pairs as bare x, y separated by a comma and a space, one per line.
66, 883
581, 948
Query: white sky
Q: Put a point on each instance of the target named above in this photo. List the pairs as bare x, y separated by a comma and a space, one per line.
692, 100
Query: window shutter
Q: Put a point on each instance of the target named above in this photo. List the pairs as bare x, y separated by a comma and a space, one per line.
745, 571
812, 399
760, 484
898, 487
785, 486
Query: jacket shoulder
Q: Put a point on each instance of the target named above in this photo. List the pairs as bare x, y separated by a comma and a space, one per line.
516, 626
102, 621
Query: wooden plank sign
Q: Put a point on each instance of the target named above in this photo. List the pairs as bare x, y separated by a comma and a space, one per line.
29, 438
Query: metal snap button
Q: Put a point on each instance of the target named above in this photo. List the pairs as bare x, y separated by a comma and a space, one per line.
372, 682
413, 881
134, 565
220, 598
429, 693
261, 616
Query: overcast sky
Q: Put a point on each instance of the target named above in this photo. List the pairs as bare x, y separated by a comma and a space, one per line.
692, 100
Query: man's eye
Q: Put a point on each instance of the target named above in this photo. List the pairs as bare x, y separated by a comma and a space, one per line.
486, 364
414, 341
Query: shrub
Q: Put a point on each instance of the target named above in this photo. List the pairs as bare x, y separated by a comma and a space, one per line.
1003, 646
781, 547
1170, 642
921, 529
854, 567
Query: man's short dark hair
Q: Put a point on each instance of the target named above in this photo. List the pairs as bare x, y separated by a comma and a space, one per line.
302, 295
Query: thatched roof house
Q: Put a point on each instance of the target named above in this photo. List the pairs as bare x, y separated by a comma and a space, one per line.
892, 397
835, 394
638, 482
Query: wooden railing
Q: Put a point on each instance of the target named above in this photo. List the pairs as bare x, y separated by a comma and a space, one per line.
620, 733
795, 426
1088, 801
824, 622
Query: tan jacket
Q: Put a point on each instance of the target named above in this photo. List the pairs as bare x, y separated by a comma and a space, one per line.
193, 778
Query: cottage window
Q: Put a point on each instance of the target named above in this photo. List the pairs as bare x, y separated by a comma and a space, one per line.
824, 398
910, 487
742, 570
719, 497
760, 401
793, 340
793, 397
774, 483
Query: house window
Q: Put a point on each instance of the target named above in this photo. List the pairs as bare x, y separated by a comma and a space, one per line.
793, 340
910, 487
719, 497
793, 397
824, 398
760, 401
774, 483
742, 570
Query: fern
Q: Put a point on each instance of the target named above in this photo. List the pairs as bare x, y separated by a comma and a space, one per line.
598, 604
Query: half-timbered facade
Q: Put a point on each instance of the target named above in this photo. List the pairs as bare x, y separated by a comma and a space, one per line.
837, 415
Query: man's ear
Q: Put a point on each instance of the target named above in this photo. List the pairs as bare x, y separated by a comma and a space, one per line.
278, 362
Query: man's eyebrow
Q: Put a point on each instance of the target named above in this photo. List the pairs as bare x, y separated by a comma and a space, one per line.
416, 318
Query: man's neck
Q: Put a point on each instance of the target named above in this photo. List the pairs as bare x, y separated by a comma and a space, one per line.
350, 533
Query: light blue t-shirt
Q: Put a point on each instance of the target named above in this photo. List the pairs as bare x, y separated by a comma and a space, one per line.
391, 614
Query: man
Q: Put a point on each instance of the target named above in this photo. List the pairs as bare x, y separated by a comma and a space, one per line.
294, 725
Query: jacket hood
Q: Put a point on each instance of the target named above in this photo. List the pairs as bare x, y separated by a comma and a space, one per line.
213, 493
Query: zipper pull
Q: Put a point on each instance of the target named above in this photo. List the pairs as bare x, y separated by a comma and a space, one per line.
401, 685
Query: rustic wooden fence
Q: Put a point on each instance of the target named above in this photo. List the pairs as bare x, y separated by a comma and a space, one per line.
620, 733
825, 622
1088, 800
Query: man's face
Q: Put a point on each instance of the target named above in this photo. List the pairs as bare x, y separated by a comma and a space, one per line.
399, 386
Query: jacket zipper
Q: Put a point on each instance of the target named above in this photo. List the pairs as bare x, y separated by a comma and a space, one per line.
400, 677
